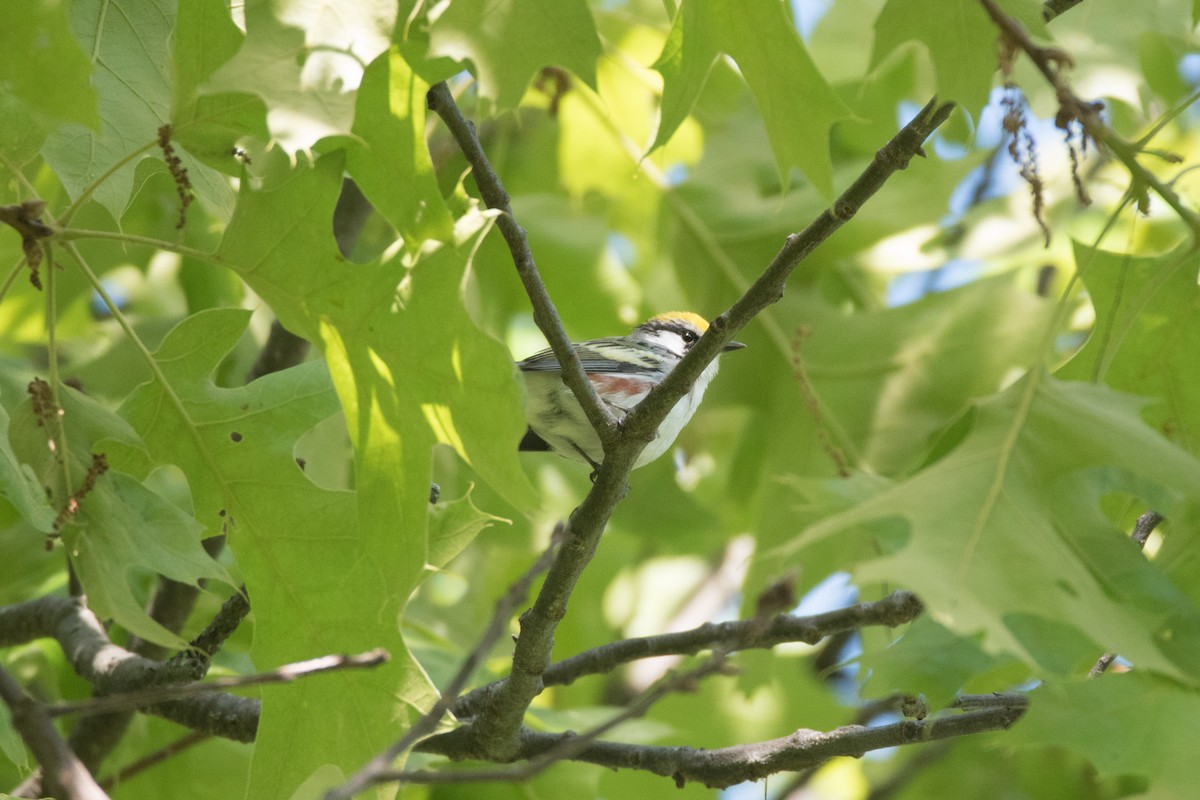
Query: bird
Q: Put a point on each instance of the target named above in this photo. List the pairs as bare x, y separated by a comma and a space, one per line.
623, 370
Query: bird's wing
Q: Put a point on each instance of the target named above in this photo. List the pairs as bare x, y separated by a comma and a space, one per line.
591, 354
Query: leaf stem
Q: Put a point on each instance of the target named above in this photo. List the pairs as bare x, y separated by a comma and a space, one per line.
155, 368
17, 269
71, 234
63, 453
19, 175
91, 188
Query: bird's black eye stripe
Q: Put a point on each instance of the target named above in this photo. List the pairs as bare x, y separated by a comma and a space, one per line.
689, 334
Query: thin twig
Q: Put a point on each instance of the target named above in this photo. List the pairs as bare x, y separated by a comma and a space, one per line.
196, 658
427, 724
152, 759
160, 694
971, 702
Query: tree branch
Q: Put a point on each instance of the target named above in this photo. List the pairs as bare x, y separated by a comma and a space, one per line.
973, 702
896, 609
155, 695
576, 744
768, 289
66, 778
441, 102
195, 660
112, 669
496, 732
803, 749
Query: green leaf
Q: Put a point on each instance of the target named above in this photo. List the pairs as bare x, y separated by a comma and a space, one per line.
210, 125
411, 370
297, 545
131, 45
37, 52
1147, 330
918, 366
130, 41
1007, 536
686, 59
928, 659
21, 136
798, 105
121, 527
125, 525
388, 150
411, 360
509, 41
960, 38
205, 39
453, 525
1123, 725
20, 486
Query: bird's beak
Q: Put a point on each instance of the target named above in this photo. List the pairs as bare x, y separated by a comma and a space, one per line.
732, 346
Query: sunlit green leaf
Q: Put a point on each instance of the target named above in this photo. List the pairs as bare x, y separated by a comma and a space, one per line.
515, 40
293, 541
387, 152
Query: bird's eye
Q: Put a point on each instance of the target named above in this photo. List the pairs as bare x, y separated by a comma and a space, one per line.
689, 337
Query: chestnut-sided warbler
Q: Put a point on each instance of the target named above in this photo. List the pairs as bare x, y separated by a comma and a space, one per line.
623, 369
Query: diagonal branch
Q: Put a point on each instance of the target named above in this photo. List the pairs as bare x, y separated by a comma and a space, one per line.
441, 101
65, 775
1142, 529
768, 289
